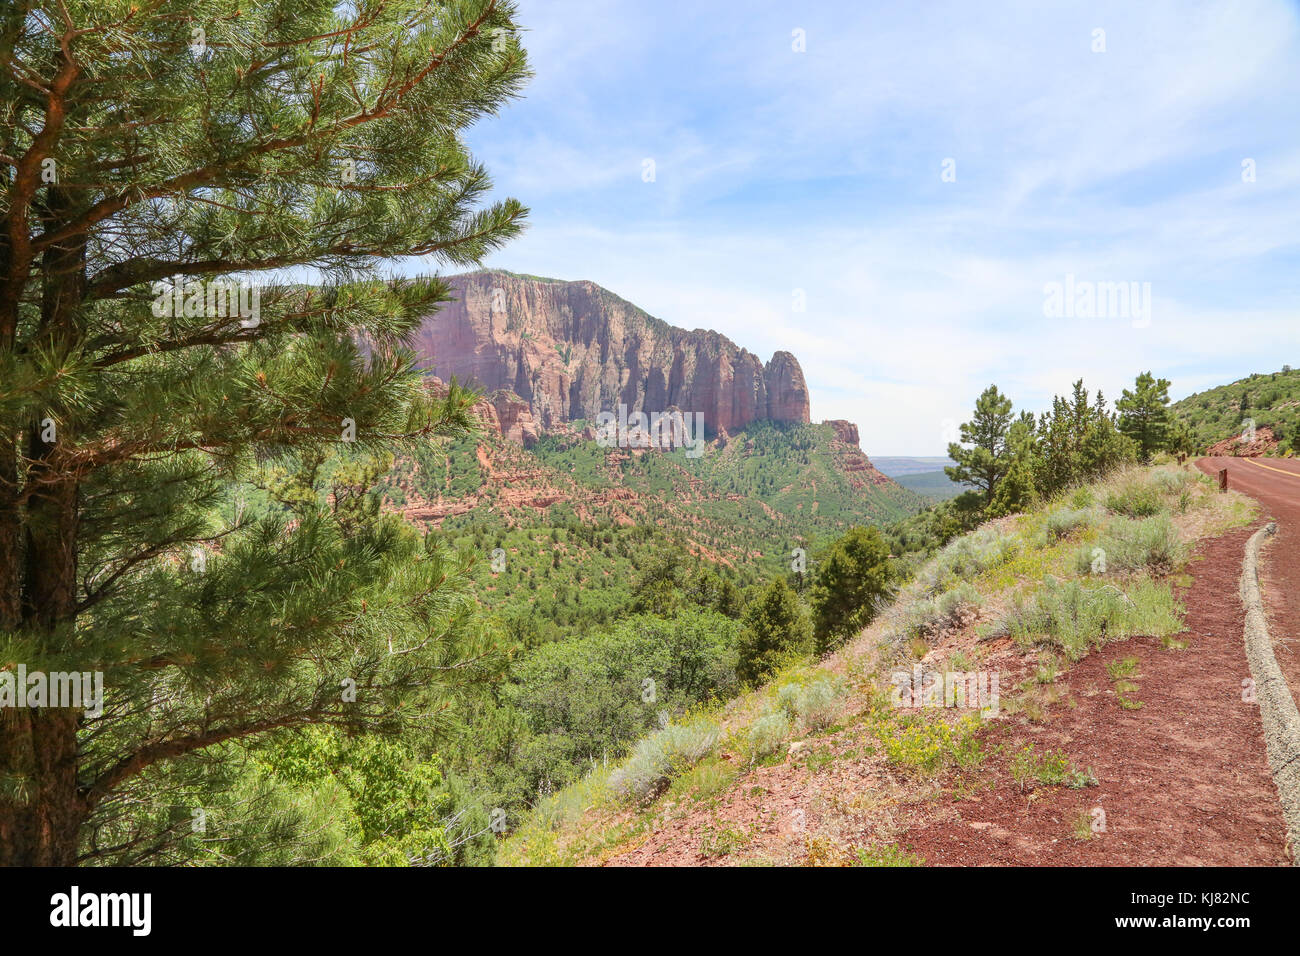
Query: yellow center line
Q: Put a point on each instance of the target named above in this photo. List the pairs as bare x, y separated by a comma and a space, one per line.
1280, 471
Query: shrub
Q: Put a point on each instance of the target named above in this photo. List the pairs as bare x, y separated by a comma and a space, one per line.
1171, 481
930, 615
968, 556
787, 699
1067, 615
1151, 544
1063, 523
953, 604
662, 756
918, 618
767, 734
1074, 617
817, 705
1135, 499
1090, 559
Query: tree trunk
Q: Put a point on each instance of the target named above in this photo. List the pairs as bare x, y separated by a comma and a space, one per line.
40, 820
41, 807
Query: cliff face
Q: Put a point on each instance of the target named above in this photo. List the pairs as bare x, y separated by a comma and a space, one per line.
572, 350
846, 432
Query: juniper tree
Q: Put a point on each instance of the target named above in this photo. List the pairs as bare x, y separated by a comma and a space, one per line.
775, 631
149, 146
1078, 441
852, 577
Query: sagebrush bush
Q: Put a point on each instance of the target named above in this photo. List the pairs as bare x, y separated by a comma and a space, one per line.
1151, 545
1172, 481
927, 616
968, 556
767, 734
1075, 617
1064, 522
818, 705
918, 617
1134, 498
787, 699
663, 755
954, 603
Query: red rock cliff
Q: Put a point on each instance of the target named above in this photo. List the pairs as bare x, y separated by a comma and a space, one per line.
572, 350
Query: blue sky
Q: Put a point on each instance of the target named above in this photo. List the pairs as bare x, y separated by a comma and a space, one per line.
820, 171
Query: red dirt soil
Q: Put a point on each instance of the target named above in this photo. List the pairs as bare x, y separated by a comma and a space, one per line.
1183, 780
1275, 484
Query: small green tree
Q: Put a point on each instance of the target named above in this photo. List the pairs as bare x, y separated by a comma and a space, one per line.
987, 460
850, 578
774, 630
1144, 414
1016, 492
661, 587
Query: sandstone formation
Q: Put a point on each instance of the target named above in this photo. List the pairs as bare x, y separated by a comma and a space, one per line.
846, 432
570, 350
1263, 442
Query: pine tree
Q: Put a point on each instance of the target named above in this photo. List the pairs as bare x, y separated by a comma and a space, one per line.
155, 155
983, 464
1144, 414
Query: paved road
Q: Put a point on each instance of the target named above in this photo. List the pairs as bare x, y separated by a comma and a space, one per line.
1275, 484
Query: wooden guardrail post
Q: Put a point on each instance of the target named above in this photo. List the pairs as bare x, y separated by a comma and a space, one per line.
1223, 479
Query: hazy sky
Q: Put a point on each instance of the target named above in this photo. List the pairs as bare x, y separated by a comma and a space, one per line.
777, 171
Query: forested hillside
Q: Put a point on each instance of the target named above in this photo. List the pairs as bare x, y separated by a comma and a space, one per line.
1269, 400
575, 522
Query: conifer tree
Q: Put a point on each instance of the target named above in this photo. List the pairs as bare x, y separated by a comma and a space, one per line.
1144, 414
775, 630
984, 463
157, 159
850, 579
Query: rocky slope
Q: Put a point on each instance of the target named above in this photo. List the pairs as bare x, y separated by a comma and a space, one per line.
571, 350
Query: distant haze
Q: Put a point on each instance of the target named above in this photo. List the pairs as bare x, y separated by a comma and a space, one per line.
895, 466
